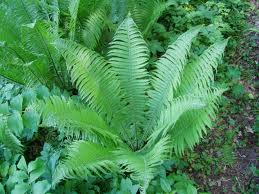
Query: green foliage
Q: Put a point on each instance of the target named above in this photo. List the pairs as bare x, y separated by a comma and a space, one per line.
112, 126
20, 177
138, 93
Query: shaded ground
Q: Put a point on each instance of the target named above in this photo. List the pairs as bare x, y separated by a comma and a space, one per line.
233, 152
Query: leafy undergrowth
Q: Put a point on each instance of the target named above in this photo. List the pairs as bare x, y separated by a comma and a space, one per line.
226, 161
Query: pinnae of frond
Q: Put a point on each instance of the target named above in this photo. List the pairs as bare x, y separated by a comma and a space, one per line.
167, 74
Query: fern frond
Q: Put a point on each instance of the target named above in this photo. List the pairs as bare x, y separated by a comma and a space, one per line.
24, 11
128, 57
175, 109
73, 10
77, 119
143, 165
192, 124
7, 138
92, 30
91, 74
10, 31
199, 75
146, 13
85, 159
87, 8
19, 74
168, 73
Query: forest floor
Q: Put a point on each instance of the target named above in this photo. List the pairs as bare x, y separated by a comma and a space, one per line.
228, 159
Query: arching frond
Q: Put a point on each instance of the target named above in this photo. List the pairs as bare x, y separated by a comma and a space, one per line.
192, 124
91, 74
128, 57
173, 112
32, 35
168, 73
93, 27
7, 138
77, 119
19, 74
85, 159
143, 165
199, 75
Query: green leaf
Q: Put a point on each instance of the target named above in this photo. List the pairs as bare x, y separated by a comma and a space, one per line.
165, 185
31, 121
40, 187
29, 96
18, 177
42, 92
4, 109
191, 189
16, 103
4, 167
36, 169
127, 186
15, 123
22, 164
20, 188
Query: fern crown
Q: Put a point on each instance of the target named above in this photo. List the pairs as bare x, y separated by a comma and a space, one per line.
133, 114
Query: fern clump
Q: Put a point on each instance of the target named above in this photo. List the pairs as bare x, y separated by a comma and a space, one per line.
131, 118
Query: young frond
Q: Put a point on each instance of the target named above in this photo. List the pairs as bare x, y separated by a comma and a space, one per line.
77, 119
85, 159
167, 74
92, 30
7, 138
143, 165
128, 57
91, 74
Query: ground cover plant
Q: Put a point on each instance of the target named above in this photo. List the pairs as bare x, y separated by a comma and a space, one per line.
113, 96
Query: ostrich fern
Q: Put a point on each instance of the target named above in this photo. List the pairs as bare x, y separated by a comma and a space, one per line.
27, 54
131, 119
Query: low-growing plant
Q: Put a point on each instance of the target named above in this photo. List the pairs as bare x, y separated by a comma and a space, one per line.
130, 119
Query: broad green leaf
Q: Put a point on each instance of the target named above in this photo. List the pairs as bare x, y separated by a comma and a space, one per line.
165, 185
41, 187
4, 167
19, 176
31, 121
42, 92
191, 189
20, 188
4, 109
15, 123
36, 169
22, 164
16, 103
29, 96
